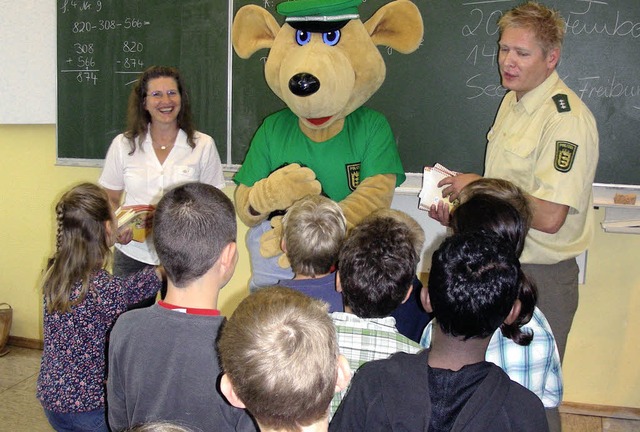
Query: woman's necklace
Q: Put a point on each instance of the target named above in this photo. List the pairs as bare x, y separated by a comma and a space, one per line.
162, 146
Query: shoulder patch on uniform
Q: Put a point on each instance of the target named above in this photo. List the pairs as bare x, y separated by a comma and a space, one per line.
565, 155
562, 102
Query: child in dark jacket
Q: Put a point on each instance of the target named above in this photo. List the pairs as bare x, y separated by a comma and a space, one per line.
473, 287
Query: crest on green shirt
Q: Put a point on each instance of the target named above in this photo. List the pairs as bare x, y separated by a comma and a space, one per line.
565, 155
353, 175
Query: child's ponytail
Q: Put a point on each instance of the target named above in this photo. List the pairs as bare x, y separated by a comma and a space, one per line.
82, 245
528, 296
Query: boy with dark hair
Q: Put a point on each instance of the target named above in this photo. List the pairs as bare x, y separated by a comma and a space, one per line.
526, 349
163, 364
472, 290
377, 264
410, 316
313, 230
280, 359
376, 267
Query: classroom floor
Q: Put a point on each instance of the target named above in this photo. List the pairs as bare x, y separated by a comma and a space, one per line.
20, 410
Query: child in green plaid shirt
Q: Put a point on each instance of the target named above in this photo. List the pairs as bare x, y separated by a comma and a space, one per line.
376, 267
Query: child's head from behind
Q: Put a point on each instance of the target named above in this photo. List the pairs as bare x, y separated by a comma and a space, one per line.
279, 353
501, 208
85, 219
417, 233
85, 232
377, 264
159, 426
192, 226
473, 284
493, 215
313, 230
505, 191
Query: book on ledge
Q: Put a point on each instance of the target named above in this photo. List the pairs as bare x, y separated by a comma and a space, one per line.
136, 216
621, 220
431, 193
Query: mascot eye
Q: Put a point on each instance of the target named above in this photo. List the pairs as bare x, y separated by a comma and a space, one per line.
331, 38
303, 37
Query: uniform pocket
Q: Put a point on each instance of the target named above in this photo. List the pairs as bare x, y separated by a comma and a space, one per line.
521, 147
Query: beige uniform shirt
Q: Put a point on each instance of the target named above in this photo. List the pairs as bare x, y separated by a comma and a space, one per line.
547, 144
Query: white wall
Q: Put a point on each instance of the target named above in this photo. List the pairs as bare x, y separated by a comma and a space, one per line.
28, 61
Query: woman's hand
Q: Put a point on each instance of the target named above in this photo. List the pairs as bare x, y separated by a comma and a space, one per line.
125, 235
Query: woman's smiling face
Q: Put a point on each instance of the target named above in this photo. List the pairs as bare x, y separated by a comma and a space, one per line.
163, 100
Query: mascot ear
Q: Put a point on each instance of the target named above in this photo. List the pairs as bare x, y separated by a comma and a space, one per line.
253, 28
397, 25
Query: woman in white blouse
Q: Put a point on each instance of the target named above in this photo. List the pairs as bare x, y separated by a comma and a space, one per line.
160, 149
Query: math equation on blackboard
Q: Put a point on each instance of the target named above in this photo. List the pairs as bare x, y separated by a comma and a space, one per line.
93, 30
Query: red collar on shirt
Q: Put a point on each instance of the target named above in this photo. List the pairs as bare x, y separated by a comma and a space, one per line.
192, 311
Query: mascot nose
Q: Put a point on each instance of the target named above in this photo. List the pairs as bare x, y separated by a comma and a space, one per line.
304, 84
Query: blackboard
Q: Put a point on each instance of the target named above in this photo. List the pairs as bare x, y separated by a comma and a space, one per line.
103, 45
441, 99
456, 88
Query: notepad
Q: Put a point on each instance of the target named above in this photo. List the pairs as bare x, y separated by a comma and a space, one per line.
432, 194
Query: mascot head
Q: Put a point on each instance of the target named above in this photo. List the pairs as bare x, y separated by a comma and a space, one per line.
323, 62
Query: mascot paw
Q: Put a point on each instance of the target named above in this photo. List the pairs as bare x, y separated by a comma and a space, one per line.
271, 240
283, 261
283, 187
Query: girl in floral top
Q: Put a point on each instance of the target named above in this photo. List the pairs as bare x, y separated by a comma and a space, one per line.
81, 303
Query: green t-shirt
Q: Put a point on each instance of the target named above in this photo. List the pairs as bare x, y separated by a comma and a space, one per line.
365, 147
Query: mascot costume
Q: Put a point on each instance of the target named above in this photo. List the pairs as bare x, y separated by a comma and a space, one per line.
324, 64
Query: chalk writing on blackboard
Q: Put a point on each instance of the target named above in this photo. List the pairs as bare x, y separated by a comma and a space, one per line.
480, 30
440, 100
104, 45
82, 59
81, 5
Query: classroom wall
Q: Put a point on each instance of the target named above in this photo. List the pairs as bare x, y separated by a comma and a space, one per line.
603, 349
31, 184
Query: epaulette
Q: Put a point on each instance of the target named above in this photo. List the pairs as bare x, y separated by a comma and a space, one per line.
562, 102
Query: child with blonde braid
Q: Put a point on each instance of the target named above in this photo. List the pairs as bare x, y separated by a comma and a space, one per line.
81, 303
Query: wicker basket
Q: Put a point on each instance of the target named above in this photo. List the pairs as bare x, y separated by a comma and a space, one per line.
6, 316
